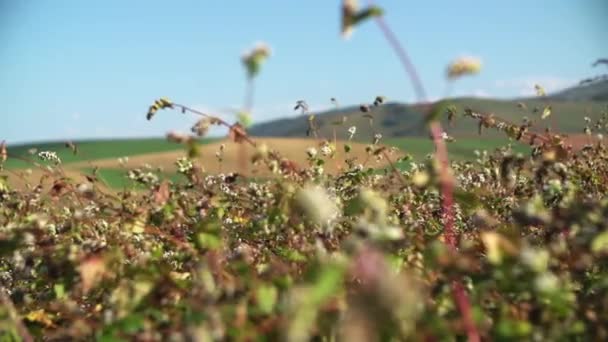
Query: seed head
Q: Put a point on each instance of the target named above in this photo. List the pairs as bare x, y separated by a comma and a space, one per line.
463, 66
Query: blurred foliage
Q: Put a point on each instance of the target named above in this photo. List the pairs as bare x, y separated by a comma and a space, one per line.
308, 255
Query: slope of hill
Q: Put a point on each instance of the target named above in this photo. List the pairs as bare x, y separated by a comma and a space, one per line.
569, 107
596, 91
401, 120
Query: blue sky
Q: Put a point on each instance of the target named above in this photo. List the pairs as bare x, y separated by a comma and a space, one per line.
78, 69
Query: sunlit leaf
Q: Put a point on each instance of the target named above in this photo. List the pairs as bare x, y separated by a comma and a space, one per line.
546, 112
42, 317
266, 297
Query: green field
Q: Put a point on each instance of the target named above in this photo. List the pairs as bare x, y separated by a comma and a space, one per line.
93, 150
90, 151
459, 149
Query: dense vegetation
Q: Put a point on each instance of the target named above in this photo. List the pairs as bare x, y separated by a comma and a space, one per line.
358, 254
507, 244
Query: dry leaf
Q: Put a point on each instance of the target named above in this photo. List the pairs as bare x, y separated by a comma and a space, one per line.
59, 188
91, 272
162, 194
237, 133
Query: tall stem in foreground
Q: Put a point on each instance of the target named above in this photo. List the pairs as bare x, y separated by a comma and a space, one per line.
447, 186
249, 94
247, 107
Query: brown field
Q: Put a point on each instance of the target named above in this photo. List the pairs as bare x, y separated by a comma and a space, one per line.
579, 140
293, 149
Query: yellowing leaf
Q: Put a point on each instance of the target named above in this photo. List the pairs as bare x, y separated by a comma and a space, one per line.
497, 246
137, 225
41, 317
546, 112
540, 91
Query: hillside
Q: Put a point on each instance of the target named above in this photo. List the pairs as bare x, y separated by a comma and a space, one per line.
596, 91
569, 107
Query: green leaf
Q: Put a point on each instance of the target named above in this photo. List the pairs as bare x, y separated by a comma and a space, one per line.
367, 13
514, 329
327, 284
292, 255
59, 290
193, 149
209, 241
600, 243
245, 119
266, 296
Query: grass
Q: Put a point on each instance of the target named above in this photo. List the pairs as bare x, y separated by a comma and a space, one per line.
94, 149
460, 149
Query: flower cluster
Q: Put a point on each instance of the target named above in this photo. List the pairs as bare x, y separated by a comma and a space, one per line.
49, 156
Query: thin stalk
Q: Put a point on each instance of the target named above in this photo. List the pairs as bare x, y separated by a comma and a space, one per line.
249, 94
435, 127
447, 186
248, 105
221, 121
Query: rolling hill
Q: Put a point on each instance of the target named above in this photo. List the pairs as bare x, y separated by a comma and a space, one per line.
569, 107
400, 124
594, 91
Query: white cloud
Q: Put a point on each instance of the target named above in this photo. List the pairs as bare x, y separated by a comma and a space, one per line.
481, 93
524, 86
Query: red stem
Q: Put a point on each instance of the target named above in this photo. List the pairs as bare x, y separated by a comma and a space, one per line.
462, 301
447, 186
